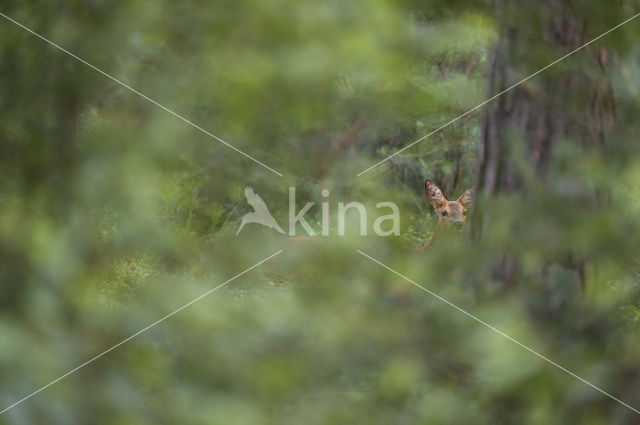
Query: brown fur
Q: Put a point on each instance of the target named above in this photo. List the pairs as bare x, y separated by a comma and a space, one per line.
451, 214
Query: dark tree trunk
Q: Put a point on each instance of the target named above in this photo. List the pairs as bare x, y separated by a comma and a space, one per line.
562, 102
522, 130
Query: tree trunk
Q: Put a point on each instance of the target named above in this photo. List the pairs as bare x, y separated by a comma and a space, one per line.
569, 105
562, 102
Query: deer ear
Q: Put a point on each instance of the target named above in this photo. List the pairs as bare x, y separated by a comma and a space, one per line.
434, 194
466, 198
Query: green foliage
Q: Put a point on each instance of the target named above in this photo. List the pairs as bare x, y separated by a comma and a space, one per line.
124, 278
114, 213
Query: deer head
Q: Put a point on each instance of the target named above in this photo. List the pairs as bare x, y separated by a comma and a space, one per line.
451, 214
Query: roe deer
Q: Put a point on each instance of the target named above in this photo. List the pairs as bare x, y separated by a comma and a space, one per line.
452, 215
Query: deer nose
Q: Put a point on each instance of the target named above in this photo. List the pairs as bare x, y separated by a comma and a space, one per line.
458, 225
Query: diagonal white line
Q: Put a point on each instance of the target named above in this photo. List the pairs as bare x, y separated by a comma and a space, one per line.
499, 94
141, 94
138, 333
498, 331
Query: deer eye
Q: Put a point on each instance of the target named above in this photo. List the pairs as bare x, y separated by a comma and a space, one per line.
464, 213
444, 213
